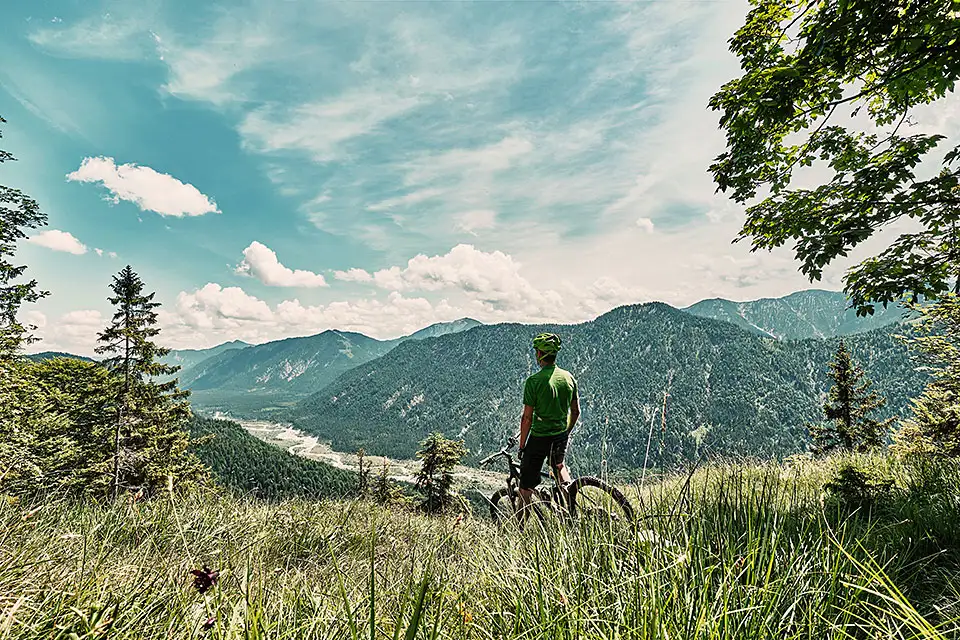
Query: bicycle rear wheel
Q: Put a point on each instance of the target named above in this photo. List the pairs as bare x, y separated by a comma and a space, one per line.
595, 500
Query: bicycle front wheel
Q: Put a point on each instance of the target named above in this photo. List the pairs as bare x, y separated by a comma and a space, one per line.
503, 506
595, 500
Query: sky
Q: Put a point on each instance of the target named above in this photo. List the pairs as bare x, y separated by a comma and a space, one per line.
273, 168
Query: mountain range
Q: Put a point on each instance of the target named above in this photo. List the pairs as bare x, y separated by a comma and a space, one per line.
805, 314
730, 391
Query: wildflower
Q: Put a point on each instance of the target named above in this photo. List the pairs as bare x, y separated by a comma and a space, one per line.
459, 520
205, 579
209, 623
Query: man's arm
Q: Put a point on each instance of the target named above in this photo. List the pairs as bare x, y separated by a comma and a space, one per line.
526, 421
574, 410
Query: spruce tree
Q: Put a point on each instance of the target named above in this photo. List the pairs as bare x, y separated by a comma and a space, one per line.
149, 439
850, 403
438, 457
18, 213
934, 426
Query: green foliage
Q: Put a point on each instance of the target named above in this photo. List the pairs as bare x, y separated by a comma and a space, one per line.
853, 489
808, 64
850, 403
933, 428
18, 214
438, 458
149, 440
728, 552
731, 392
386, 492
247, 466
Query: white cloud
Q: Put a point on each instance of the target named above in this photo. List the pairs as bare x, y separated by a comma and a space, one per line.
59, 241
262, 263
353, 275
215, 307
74, 332
101, 36
99, 252
646, 224
477, 220
405, 200
148, 189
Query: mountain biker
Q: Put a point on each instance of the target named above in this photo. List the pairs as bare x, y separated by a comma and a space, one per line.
551, 408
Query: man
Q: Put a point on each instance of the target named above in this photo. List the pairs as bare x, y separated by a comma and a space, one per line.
551, 407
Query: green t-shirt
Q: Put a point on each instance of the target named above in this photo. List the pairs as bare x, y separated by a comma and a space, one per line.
550, 392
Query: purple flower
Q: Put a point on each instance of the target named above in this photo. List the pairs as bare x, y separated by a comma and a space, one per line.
208, 623
205, 579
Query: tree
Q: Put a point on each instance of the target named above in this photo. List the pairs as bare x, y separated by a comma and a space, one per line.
385, 491
806, 65
18, 213
438, 457
934, 426
848, 425
149, 440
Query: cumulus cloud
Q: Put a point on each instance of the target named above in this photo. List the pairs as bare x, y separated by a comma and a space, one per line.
262, 263
59, 241
73, 332
353, 275
148, 189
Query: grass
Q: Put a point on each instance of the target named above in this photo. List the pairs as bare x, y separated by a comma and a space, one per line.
748, 551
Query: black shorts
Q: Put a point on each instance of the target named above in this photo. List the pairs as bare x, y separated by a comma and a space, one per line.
538, 449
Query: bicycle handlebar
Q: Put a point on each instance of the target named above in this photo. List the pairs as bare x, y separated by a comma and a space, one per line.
505, 451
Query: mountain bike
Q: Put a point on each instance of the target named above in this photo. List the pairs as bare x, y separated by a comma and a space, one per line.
586, 497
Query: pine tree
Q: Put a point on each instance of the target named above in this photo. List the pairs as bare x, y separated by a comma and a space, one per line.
934, 426
18, 212
438, 457
848, 425
385, 491
149, 440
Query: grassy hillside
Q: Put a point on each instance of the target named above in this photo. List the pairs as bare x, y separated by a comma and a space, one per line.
732, 392
243, 464
733, 553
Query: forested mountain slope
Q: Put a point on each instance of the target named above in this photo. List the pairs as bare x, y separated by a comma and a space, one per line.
731, 391
804, 314
242, 463
187, 358
291, 368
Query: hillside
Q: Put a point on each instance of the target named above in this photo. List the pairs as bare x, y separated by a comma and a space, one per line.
734, 553
256, 377
804, 314
242, 463
49, 355
732, 392
187, 358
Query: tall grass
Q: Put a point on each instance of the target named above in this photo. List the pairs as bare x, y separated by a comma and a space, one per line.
727, 552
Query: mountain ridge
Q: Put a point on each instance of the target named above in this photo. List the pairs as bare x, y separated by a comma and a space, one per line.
731, 391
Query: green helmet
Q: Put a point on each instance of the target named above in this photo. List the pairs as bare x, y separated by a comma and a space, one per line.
547, 343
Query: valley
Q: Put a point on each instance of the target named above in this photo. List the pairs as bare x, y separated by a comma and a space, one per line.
305, 445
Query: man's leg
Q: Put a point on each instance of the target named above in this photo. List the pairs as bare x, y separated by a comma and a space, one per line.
558, 453
534, 453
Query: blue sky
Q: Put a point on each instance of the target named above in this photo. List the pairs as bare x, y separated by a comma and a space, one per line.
279, 168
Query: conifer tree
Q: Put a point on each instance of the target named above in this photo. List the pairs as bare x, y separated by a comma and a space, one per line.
18, 213
934, 426
149, 440
438, 457
385, 491
848, 425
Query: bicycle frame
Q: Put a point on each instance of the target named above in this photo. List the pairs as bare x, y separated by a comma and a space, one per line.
554, 498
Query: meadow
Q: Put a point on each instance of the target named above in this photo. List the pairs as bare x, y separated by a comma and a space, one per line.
726, 551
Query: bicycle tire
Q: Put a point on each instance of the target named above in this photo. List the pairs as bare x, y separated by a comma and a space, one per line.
495, 512
626, 509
